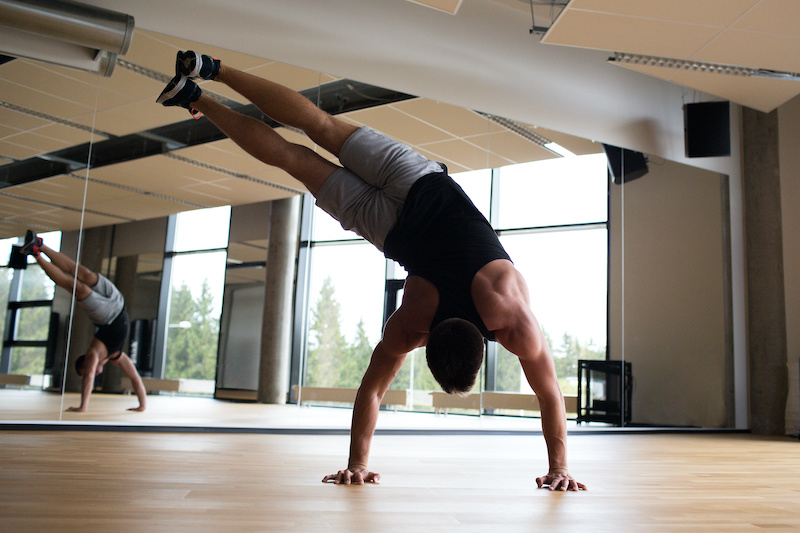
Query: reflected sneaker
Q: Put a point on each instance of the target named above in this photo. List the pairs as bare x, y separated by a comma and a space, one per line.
180, 91
194, 65
33, 244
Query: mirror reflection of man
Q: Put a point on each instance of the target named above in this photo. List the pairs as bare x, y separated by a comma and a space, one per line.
104, 304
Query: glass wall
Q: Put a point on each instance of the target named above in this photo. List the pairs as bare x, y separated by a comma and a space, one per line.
196, 260
35, 291
552, 218
345, 312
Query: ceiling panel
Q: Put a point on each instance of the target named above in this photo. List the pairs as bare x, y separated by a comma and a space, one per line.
226, 155
448, 6
57, 108
754, 49
248, 252
760, 34
59, 190
140, 207
36, 143
585, 29
242, 276
763, 94
720, 13
18, 91
576, 145
398, 125
12, 150
467, 155
129, 118
456, 121
777, 17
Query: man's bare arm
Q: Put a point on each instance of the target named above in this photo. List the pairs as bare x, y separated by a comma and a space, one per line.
87, 384
383, 368
520, 333
400, 336
126, 365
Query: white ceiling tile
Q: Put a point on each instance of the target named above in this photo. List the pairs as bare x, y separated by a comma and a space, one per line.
719, 13
753, 49
629, 34
781, 17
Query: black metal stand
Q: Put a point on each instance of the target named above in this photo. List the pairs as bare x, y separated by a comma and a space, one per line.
604, 392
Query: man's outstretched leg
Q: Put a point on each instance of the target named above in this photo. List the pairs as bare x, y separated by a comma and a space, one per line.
256, 138
61, 269
289, 107
277, 101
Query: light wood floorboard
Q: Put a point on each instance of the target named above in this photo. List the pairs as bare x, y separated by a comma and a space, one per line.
188, 411
86, 481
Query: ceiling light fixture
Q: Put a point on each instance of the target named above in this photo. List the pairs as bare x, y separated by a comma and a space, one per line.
527, 133
698, 66
65, 33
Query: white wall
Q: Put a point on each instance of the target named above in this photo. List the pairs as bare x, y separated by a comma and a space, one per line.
674, 302
789, 137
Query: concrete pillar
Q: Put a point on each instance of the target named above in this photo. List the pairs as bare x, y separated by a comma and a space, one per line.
766, 308
276, 331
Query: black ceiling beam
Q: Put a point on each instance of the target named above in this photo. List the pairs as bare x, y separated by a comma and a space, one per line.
337, 97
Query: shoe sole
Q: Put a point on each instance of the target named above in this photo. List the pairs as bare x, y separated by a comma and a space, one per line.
29, 248
188, 64
31, 239
169, 93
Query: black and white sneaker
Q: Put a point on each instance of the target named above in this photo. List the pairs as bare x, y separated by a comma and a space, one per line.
180, 91
33, 244
194, 65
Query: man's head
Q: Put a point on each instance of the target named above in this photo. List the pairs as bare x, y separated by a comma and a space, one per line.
455, 354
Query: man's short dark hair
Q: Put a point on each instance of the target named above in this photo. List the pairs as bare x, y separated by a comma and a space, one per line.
455, 354
79, 364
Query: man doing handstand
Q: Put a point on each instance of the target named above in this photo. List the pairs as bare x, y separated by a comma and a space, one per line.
105, 306
461, 285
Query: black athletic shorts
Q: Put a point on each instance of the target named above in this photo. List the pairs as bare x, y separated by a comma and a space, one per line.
113, 335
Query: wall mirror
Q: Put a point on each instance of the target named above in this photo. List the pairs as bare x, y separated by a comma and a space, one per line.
196, 304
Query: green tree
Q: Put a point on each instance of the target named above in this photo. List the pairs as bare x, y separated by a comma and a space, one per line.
192, 350
423, 379
566, 356
509, 372
354, 363
326, 341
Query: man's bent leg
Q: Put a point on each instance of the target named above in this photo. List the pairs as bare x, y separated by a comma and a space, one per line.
62, 278
265, 144
288, 107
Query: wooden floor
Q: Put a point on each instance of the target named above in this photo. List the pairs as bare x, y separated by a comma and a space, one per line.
196, 412
169, 481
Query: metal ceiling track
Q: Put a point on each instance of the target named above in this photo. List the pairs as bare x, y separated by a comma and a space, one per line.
336, 97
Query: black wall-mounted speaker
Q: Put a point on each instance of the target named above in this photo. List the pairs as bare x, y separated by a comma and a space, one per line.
625, 165
17, 260
707, 129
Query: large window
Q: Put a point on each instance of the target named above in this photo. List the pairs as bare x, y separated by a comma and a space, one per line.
32, 323
552, 218
345, 312
196, 262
